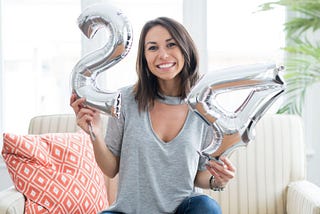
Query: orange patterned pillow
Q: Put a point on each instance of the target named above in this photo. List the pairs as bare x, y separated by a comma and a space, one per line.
56, 172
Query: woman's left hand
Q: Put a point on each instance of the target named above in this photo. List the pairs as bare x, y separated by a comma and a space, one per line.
222, 172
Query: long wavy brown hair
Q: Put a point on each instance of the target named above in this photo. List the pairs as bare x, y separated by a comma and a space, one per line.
146, 88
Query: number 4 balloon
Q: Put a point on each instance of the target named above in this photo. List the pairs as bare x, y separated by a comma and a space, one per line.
265, 85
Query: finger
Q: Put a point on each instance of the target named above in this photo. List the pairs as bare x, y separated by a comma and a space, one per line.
77, 104
228, 163
219, 165
213, 172
85, 112
73, 98
84, 120
222, 170
219, 175
219, 180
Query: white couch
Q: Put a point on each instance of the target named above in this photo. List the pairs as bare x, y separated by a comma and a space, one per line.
270, 171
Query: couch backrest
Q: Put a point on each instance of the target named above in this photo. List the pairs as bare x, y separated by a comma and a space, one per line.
265, 168
57, 123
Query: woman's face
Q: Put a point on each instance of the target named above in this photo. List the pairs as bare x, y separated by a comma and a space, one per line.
163, 55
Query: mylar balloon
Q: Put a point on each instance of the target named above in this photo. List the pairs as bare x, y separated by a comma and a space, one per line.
89, 67
264, 84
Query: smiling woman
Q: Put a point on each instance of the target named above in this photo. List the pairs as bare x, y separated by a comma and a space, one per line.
41, 43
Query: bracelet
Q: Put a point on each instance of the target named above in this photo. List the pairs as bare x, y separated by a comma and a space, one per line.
213, 186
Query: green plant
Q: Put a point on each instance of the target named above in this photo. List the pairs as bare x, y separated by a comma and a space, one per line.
302, 48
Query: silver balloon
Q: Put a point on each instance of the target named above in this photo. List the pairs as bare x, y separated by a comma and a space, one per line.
265, 85
85, 72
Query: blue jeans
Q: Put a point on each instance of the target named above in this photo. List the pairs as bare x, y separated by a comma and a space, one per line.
200, 204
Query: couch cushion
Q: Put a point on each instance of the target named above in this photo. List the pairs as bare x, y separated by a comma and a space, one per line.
11, 201
56, 172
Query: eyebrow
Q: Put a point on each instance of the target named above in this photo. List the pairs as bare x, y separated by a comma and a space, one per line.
167, 40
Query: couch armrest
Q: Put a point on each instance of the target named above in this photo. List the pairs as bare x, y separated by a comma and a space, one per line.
11, 201
303, 197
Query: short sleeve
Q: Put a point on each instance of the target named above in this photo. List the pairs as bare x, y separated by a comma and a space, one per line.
207, 140
114, 134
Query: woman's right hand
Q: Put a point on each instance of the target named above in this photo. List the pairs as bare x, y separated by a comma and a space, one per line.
108, 163
85, 115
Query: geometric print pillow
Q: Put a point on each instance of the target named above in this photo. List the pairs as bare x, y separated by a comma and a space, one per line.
56, 172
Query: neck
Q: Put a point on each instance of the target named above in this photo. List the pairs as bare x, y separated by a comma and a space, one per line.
170, 88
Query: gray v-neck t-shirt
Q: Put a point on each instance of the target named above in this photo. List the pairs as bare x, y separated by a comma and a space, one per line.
154, 176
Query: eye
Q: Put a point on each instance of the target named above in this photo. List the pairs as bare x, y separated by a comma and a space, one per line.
171, 44
152, 48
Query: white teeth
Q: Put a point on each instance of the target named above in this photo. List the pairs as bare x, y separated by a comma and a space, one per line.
166, 65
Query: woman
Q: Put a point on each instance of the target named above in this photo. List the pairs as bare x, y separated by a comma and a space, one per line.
154, 144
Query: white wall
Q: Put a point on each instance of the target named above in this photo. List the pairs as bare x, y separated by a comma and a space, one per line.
198, 32
311, 118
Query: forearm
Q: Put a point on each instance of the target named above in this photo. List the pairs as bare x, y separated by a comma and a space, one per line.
89, 120
202, 179
106, 160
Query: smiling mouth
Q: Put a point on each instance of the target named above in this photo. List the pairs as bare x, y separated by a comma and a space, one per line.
166, 65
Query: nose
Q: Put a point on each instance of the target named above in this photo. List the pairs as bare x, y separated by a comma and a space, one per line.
163, 53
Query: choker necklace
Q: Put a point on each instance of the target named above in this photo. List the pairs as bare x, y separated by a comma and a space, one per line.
171, 100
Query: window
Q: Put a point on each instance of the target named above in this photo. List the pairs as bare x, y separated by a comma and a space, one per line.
42, 44
238, 34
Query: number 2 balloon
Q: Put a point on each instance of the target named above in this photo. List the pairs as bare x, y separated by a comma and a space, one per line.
264, 84
85, 72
